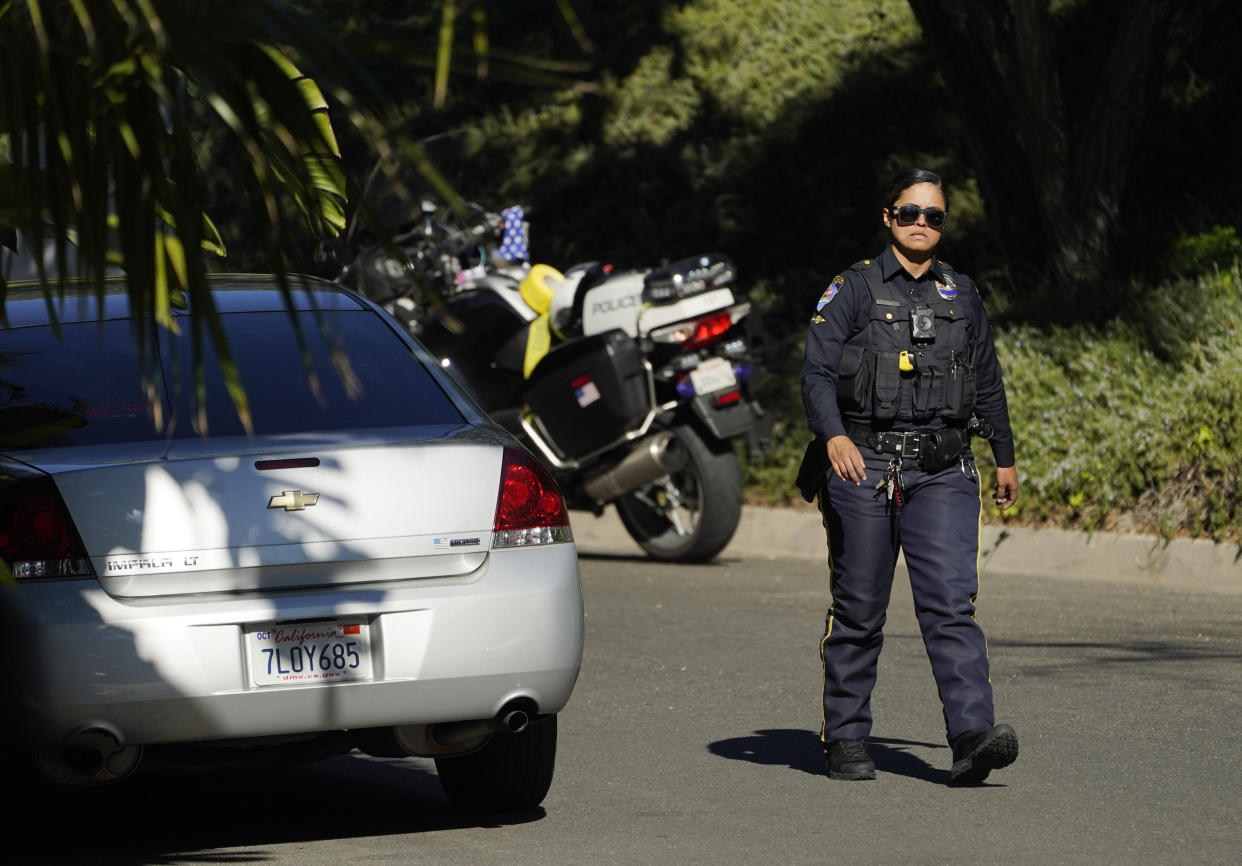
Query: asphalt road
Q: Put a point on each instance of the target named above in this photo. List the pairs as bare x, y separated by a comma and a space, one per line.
691, 738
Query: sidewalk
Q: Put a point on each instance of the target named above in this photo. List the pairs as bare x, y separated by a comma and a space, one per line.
796, 533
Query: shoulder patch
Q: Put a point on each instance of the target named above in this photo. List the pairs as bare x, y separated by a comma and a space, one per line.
831, 292
947, 289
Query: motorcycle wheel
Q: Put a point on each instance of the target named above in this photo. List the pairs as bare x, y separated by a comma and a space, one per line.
688, 515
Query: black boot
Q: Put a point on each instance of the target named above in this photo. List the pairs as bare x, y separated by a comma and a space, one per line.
848, 761
977, 753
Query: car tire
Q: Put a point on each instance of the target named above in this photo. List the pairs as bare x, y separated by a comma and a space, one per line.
691, 514
511, 772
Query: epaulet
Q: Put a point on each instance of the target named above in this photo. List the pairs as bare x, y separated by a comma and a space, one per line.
864, 263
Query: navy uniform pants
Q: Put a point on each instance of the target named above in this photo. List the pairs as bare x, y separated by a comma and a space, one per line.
938, 532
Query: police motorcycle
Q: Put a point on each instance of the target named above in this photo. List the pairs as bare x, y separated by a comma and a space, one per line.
629, 386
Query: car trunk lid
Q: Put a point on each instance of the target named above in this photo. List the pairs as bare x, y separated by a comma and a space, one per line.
334, 510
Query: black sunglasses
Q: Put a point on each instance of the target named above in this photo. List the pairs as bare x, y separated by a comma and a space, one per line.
908, 215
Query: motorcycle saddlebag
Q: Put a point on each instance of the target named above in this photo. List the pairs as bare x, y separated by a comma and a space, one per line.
589, 392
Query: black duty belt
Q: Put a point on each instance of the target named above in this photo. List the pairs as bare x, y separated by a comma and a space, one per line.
909, 444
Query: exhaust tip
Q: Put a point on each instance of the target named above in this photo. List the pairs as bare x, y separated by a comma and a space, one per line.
515, 715
515, 722
92, 755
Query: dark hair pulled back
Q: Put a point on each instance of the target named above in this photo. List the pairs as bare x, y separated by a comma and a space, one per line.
907, 179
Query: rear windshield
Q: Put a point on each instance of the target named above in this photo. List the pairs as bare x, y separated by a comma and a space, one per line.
77, 390
85, 387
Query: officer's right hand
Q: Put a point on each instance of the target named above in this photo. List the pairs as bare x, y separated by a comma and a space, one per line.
846, 460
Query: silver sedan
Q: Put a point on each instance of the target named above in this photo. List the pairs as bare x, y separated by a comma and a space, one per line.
370, 554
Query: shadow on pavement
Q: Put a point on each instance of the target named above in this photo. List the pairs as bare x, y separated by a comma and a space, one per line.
610, 556
163, 815
644, 559
801, 750
798, 750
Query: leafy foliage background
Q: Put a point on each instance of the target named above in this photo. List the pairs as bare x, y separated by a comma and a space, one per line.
768, 130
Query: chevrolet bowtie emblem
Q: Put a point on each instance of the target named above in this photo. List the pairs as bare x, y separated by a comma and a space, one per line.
293, 500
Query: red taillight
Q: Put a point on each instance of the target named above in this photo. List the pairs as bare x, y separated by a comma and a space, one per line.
37, 536
530, 509
708, 330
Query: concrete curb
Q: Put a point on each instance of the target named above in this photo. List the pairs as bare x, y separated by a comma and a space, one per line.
797, 533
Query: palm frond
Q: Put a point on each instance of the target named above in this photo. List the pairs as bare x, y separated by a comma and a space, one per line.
96, 113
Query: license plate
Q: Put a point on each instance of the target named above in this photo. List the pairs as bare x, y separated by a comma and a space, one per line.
712, 375
309, 653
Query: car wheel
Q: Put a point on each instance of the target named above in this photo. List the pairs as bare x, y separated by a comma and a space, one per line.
688, 515
509, 773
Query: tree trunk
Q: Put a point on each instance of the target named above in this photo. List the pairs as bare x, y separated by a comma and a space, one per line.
1057, 180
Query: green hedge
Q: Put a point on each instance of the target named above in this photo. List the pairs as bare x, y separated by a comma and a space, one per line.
767, 129
1133, 425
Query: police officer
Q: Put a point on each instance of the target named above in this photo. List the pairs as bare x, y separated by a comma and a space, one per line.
900, 368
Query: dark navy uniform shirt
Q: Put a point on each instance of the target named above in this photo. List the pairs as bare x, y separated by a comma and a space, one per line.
843, 311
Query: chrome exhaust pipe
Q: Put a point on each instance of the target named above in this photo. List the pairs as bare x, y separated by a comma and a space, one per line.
514, 721
91, 755
652, 458
444, 738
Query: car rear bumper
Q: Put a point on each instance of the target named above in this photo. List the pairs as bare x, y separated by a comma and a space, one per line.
168, 670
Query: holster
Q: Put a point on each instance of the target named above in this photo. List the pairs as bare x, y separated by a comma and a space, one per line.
811, 470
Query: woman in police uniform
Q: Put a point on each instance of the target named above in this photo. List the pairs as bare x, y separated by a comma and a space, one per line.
900, 369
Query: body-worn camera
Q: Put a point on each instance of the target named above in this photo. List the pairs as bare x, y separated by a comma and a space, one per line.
922, 324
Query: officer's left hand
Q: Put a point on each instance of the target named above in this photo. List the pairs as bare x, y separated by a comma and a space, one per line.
1006, 493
